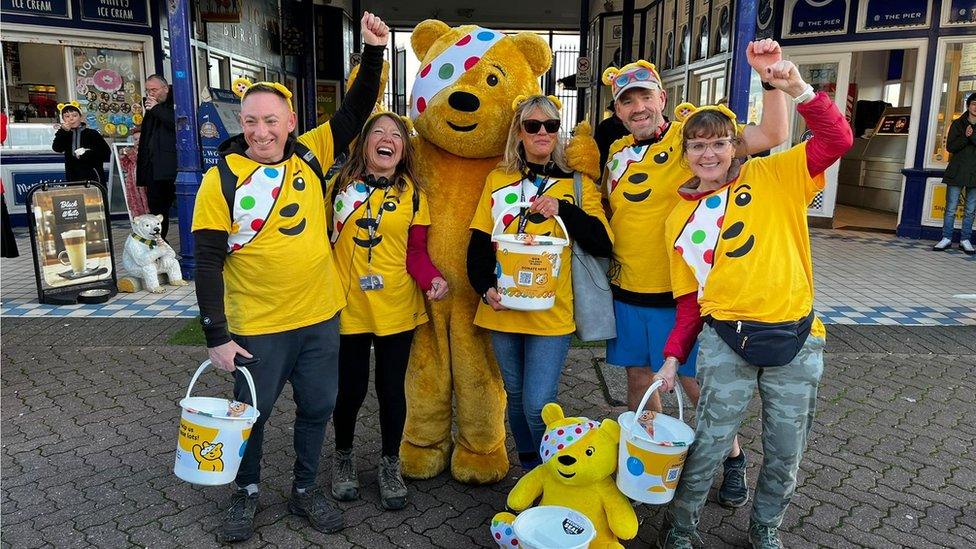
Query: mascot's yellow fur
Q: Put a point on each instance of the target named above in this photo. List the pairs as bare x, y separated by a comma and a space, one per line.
579, 457
461, 129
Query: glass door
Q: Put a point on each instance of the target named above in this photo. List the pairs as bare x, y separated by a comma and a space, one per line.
827, 73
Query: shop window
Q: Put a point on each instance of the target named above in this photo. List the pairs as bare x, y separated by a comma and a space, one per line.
958, 81
35, 81
892, 94
218, 71
108, 84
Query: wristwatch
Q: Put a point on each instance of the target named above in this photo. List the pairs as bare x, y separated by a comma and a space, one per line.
767, 86
807, 95
484, 298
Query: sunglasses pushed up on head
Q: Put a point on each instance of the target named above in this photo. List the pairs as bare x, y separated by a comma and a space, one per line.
534, 126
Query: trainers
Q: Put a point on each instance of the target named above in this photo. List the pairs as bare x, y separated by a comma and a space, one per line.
764, 537
239, 520
734, 492
670, 538
393, 491
942, 245
967, 247
314, 506
345, 481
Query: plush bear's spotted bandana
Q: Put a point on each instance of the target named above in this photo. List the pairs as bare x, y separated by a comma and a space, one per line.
558, 438
447, 67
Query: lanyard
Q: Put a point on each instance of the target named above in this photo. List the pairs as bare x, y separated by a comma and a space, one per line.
373, 225
523, 214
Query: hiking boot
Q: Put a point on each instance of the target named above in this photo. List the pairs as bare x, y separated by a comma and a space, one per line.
669, 538
763, 537
967, 247
313, 505
345, 481
238, 522
942, 245
734, 492
393, 491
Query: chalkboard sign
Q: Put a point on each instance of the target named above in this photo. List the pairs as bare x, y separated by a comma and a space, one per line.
71, 238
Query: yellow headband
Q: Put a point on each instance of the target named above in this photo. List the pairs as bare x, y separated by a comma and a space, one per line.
74, 104
241, 86
523, 98
685, 111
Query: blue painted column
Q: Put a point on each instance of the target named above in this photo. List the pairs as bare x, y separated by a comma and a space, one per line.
745, 31
187, 146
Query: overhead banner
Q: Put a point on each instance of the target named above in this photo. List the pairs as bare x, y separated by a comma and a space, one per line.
816, 17
48, 8
895, 14
72, 242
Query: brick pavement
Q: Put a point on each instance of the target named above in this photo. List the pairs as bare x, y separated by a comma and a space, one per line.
89, 422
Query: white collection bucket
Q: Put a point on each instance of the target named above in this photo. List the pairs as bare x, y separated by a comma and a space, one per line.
648, 468
553, 527
527, 266
211, 443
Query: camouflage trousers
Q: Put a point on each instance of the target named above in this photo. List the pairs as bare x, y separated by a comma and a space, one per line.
789, 399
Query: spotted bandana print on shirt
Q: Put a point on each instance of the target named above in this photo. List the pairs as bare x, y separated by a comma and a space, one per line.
619, 162
448, 67
560, 437
697, 242
254, 201
347, 201
504, 197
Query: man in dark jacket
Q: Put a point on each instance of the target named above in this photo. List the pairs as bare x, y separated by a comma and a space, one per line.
156, 168
960, 176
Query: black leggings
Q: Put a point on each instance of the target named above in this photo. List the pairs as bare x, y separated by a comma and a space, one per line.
392, 354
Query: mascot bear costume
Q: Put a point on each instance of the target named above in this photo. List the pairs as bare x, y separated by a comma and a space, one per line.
461, 106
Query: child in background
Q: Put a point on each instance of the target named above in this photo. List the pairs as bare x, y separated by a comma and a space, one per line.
85, 151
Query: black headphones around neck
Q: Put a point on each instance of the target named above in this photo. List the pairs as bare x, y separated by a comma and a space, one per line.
377, 183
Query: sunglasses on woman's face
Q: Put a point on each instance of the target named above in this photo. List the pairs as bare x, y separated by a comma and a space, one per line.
533, 126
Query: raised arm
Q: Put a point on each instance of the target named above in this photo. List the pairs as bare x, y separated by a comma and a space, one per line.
773, 124
358, 103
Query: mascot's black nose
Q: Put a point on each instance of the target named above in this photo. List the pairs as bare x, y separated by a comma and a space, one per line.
463, 101
566, 460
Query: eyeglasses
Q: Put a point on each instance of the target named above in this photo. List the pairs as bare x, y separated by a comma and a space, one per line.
533, 126
719, 146
632, 76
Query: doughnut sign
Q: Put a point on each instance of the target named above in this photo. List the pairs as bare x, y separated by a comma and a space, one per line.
109, 88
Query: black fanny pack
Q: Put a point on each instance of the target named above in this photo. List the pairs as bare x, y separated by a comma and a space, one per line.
761, 343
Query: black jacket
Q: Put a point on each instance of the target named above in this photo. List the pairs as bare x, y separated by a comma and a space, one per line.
88, 167
156, 160
961, 171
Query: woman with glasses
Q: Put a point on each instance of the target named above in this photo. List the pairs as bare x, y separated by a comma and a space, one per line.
530, 346
738, 239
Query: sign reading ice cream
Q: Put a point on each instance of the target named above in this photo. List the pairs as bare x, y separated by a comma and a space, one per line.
125, 12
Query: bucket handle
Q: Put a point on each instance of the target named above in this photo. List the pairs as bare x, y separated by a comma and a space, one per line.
647, 395
241, 369
517, 205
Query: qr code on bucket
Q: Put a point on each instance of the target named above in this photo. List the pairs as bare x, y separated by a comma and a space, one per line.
525, 278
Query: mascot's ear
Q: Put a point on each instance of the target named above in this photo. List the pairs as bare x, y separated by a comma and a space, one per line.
683, 111
552, 413
425, 34
535, 50
159, 218
612, 428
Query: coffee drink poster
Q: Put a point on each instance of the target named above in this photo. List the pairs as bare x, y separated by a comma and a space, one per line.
72, 239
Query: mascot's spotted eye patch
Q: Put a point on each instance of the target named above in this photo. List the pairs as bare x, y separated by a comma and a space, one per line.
445, 69
558, 438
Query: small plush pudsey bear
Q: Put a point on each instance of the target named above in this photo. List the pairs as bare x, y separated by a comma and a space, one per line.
579, 457
461, 105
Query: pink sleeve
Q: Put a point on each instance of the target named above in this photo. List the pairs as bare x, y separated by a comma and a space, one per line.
832, 135
419, 264
687, 323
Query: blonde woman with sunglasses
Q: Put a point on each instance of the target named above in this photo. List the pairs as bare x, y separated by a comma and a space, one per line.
530, 346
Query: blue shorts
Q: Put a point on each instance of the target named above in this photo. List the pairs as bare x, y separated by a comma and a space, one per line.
641, 335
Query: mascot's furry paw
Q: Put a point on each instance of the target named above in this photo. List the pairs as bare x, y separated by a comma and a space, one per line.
471, 468
422, 462
502, 530
582, 152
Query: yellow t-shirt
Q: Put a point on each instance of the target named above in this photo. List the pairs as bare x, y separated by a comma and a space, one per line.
641, 183
399, 305
503, 189
279, 274
747, 245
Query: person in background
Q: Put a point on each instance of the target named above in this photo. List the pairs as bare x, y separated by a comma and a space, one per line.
531, 346
85, 150
738, 241
960, 176
379, 238
607, 131
263, 256
8, 245
156, 169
